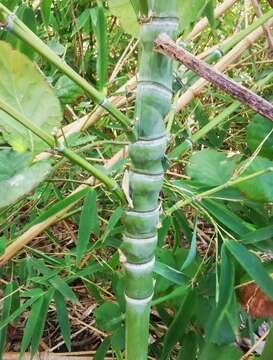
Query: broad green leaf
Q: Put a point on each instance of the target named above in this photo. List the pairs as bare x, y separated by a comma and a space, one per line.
40, 324
260, 188
257, 131
124, 11
190, 12
24, 88
29, 330
108, 316
252, 266
210, 167
189, 348
179, 324
89, 223
226, 352
63, 319
17, 178
67, 91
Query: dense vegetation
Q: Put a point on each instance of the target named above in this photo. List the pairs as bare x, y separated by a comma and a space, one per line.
73, 199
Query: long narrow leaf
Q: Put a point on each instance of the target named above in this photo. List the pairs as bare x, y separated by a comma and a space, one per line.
252, 265
89, 224
62, 316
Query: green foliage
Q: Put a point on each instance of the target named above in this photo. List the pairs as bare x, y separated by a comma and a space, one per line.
257, 131
23, 88
210, 167
18, 177
258, 189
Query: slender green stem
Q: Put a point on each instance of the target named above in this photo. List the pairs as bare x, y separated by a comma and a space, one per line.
18, 28
219, 119
69, 154
205, 194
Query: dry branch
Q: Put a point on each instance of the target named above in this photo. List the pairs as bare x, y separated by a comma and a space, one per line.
228, 59
164, 45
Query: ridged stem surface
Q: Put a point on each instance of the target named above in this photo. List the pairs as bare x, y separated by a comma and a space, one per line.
154, 95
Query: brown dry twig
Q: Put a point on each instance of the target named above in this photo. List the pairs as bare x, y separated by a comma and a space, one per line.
165, 45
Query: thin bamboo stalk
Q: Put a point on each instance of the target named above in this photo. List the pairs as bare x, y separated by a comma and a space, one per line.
267, 31
23, 240
228, 59
49, 356
203, 23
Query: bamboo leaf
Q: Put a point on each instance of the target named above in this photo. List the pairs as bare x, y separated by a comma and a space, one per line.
45, 10
62, 204
108, 316
6, 310
265, 233
30, 327
89, 224
114, 219
40, 324
63, 319
100, 26
102, 349
60, 285
179, 324
170, 273
192, 253
252, 266
227, 217
124, 10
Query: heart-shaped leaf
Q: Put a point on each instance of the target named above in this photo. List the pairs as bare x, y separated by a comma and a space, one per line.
17, 178
210, 167
23, 88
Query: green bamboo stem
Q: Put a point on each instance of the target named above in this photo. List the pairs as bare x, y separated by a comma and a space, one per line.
232, 182
11, 23
154, 95
219, 119
69, 154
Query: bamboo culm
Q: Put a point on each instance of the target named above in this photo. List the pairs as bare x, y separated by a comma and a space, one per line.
154, 96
